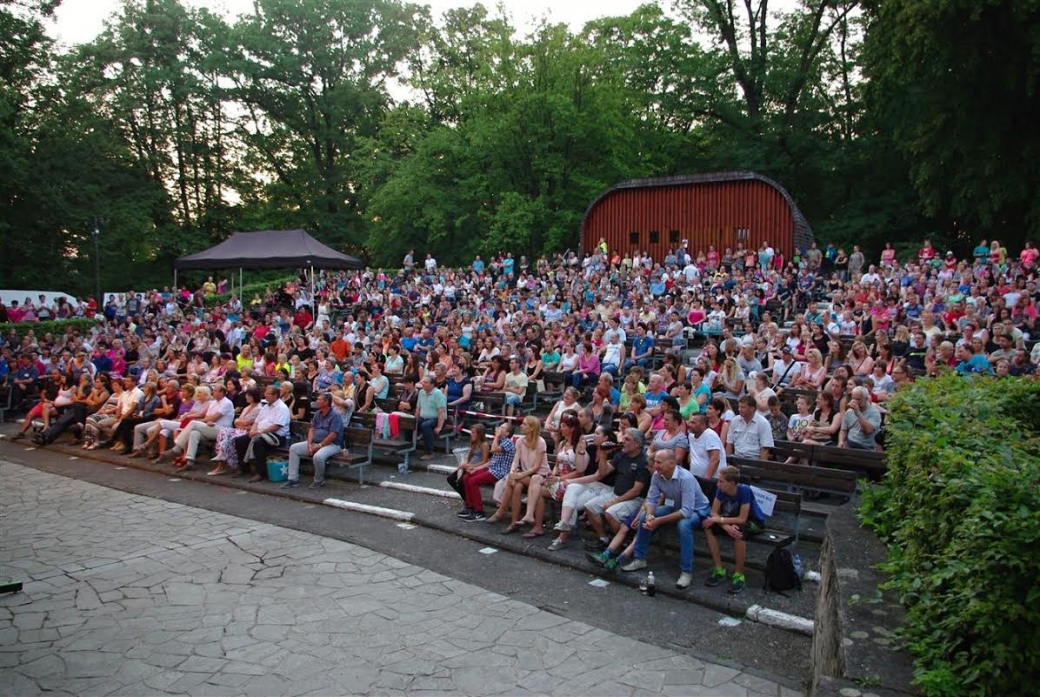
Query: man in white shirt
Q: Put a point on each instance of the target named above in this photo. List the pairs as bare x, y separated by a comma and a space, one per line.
219, 414
270, 431
749, 433
707, 454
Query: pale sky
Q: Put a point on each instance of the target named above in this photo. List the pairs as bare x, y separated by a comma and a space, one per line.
79, 21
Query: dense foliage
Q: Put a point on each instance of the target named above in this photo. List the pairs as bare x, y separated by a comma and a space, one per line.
380, 127
960, 512
41, 329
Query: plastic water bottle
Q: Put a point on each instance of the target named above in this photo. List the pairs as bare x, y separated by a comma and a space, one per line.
402, 468
797, 566
651, 585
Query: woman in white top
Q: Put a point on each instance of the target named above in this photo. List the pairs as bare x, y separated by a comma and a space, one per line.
568, 360
552, 421
761, 391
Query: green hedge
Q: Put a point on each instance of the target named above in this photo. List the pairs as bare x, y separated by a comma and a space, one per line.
246, 292
960, 512
41, 328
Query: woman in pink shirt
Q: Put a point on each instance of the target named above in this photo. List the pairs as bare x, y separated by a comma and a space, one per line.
588, 368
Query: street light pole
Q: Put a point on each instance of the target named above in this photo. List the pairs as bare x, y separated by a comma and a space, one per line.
97, 268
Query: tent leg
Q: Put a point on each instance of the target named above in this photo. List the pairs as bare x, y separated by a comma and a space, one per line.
240, 286
314, 306
175, 280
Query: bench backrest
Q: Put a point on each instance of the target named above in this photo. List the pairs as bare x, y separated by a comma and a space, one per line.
808, 476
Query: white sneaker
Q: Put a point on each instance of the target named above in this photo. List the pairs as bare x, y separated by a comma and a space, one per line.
634, 565
685, 579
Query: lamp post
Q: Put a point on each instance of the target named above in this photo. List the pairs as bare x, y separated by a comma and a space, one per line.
96, 234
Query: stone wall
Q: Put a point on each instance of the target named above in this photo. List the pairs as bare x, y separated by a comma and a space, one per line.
854, 649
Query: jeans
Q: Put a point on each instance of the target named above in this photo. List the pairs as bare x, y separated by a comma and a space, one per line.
426, 427
642, 362
580, 380
299, 450
686, 527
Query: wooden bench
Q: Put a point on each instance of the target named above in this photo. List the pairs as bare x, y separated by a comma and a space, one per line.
554, 388
869, 462
793, 476
405, 444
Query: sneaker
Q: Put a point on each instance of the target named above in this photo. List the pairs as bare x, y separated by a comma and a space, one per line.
634, 565
563, 527
717, 576
556, 545
465, 512
737, 583
475, 517
600, 558
685, 579
614, 562
597, 545
316, 485
290, 484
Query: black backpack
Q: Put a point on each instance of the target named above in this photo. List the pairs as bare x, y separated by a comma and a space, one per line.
780, 573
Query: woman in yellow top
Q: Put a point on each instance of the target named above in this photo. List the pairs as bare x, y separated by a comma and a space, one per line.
245, 358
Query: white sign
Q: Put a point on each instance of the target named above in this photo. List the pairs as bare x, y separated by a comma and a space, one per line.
766, 500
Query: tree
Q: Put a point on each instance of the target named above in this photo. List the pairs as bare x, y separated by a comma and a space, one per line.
957, 85
311, 77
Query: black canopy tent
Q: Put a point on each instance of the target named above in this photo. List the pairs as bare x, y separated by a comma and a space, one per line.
268, 249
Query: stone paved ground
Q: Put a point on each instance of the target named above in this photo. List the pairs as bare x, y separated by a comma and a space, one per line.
128, 595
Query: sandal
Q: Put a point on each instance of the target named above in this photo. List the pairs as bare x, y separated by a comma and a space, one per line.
510, 530
531, 535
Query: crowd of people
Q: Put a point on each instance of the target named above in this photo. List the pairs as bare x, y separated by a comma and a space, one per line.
668, 366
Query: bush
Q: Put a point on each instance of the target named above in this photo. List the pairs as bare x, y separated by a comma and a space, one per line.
246, 292
58, 326
960, 512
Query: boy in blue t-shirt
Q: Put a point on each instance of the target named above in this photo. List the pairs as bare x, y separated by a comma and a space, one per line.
736, 512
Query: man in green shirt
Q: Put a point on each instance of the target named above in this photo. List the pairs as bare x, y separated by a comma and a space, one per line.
431, 410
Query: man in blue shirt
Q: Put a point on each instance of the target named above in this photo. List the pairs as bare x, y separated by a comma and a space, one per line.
23, 381
324, 440
684, 504
642, 349
478, 265
972, 363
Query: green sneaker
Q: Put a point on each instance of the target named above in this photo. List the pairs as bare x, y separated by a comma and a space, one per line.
717, 576
613, 563
737, 583
599, 558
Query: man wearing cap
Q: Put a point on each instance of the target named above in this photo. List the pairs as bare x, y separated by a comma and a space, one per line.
785, 367
324, 440
631, 477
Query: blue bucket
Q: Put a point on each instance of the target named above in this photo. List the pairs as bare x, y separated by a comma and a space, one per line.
278, 470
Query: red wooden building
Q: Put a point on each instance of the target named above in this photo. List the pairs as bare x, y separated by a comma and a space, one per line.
725, 209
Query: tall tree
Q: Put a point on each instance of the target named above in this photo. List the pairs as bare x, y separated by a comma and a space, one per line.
957, 84
312, 79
